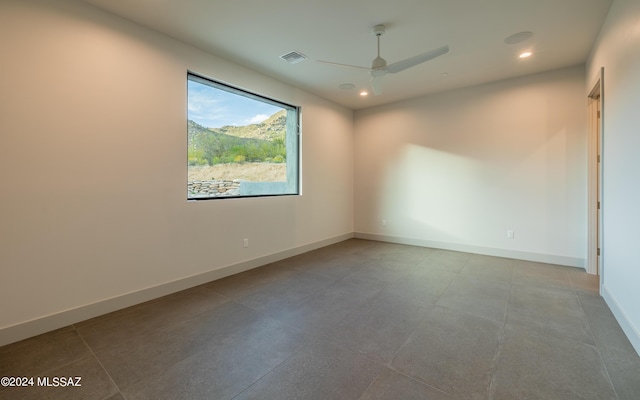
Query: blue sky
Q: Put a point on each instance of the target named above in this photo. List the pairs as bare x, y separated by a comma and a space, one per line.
213, 108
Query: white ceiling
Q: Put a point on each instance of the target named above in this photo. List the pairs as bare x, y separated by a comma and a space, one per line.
255, 33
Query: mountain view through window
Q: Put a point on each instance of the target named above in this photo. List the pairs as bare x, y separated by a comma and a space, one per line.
239, 144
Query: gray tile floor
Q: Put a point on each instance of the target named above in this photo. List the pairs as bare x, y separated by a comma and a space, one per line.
357, 320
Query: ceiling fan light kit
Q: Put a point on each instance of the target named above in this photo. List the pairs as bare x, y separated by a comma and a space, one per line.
379, 67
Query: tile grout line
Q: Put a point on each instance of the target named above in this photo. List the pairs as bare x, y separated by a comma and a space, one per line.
494, 364
416, 379
266, 374
95, 356
424, 383
410, 336
598, 349
58, 366
501, 343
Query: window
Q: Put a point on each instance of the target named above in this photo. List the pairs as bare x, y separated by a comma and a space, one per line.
240, 144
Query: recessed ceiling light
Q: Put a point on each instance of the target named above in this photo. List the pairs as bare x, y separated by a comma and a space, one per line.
347, 86
526, 54
364, 93
444, 74
518, 37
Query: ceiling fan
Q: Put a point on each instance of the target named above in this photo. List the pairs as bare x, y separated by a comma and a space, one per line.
379, 67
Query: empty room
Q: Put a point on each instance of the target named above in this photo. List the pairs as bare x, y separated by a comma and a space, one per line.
209, 199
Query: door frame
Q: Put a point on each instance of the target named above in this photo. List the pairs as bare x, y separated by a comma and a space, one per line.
595, 162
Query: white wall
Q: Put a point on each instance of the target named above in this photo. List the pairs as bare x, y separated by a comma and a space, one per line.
618, 51
458, 169
93, 170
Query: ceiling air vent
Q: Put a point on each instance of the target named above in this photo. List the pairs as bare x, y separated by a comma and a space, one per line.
293, 57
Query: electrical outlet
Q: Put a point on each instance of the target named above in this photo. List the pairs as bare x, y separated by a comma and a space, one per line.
510, 234
245, 243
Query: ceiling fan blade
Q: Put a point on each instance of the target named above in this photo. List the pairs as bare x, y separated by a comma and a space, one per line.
419, 59
344, 65
376, 85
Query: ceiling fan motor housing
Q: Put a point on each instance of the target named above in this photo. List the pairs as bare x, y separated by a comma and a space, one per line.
378, 30
378, 66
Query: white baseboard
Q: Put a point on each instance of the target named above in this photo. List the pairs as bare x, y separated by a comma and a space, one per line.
489, 251
61, 319
632, 332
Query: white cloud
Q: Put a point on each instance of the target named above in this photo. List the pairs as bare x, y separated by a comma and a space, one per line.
257, 119
205, 110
